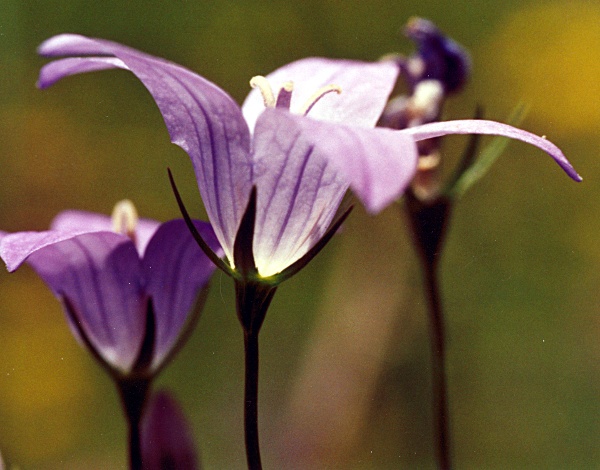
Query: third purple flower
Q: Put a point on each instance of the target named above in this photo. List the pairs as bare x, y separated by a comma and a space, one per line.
132, 290
120, 281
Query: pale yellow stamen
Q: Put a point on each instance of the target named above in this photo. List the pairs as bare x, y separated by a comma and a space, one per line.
266, 91
427, 98
428, 162
125, 218
317, 96
426, 183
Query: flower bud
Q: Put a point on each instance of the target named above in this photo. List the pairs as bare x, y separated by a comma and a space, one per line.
437, 58
166, 437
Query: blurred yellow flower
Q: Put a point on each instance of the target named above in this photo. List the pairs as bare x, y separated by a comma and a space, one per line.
45, 385
547, 56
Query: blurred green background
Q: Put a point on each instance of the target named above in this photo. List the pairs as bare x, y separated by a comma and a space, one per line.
345, 354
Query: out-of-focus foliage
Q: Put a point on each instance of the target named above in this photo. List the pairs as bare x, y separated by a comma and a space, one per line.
521, 273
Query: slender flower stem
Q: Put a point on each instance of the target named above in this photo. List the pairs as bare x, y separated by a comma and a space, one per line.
133, 393
251, 400
438, 369
429, 222
252, 302
135, 448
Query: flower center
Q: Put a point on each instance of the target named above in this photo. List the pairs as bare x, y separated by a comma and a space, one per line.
125, 218
284, 95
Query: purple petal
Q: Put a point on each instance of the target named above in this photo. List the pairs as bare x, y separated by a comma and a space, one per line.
100, 274
474, 126
83, 222
365, 90
378, 164
15, 248
54, 71
167, 440
176, 270
201, 118
298, 192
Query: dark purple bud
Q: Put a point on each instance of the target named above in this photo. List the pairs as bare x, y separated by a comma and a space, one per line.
438, 57
167, 441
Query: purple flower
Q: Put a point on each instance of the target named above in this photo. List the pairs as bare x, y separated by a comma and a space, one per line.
291, 160
128, 286
167, 440
300, 166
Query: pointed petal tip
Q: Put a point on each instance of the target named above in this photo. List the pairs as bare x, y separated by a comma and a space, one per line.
485, 127
47, 46
11, 266
53, 45
562, 161
11, 259
374, 203
43, 81
375, 207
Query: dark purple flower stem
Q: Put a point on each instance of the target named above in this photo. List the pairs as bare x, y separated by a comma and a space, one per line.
438, 367
252, 302
429, 222
134, 394
251, 400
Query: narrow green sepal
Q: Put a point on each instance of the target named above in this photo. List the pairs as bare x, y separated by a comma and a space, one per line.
218, 262
243, 255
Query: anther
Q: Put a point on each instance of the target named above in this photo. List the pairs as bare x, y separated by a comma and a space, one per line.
428, 96
317, 96
266, 91
125, 218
